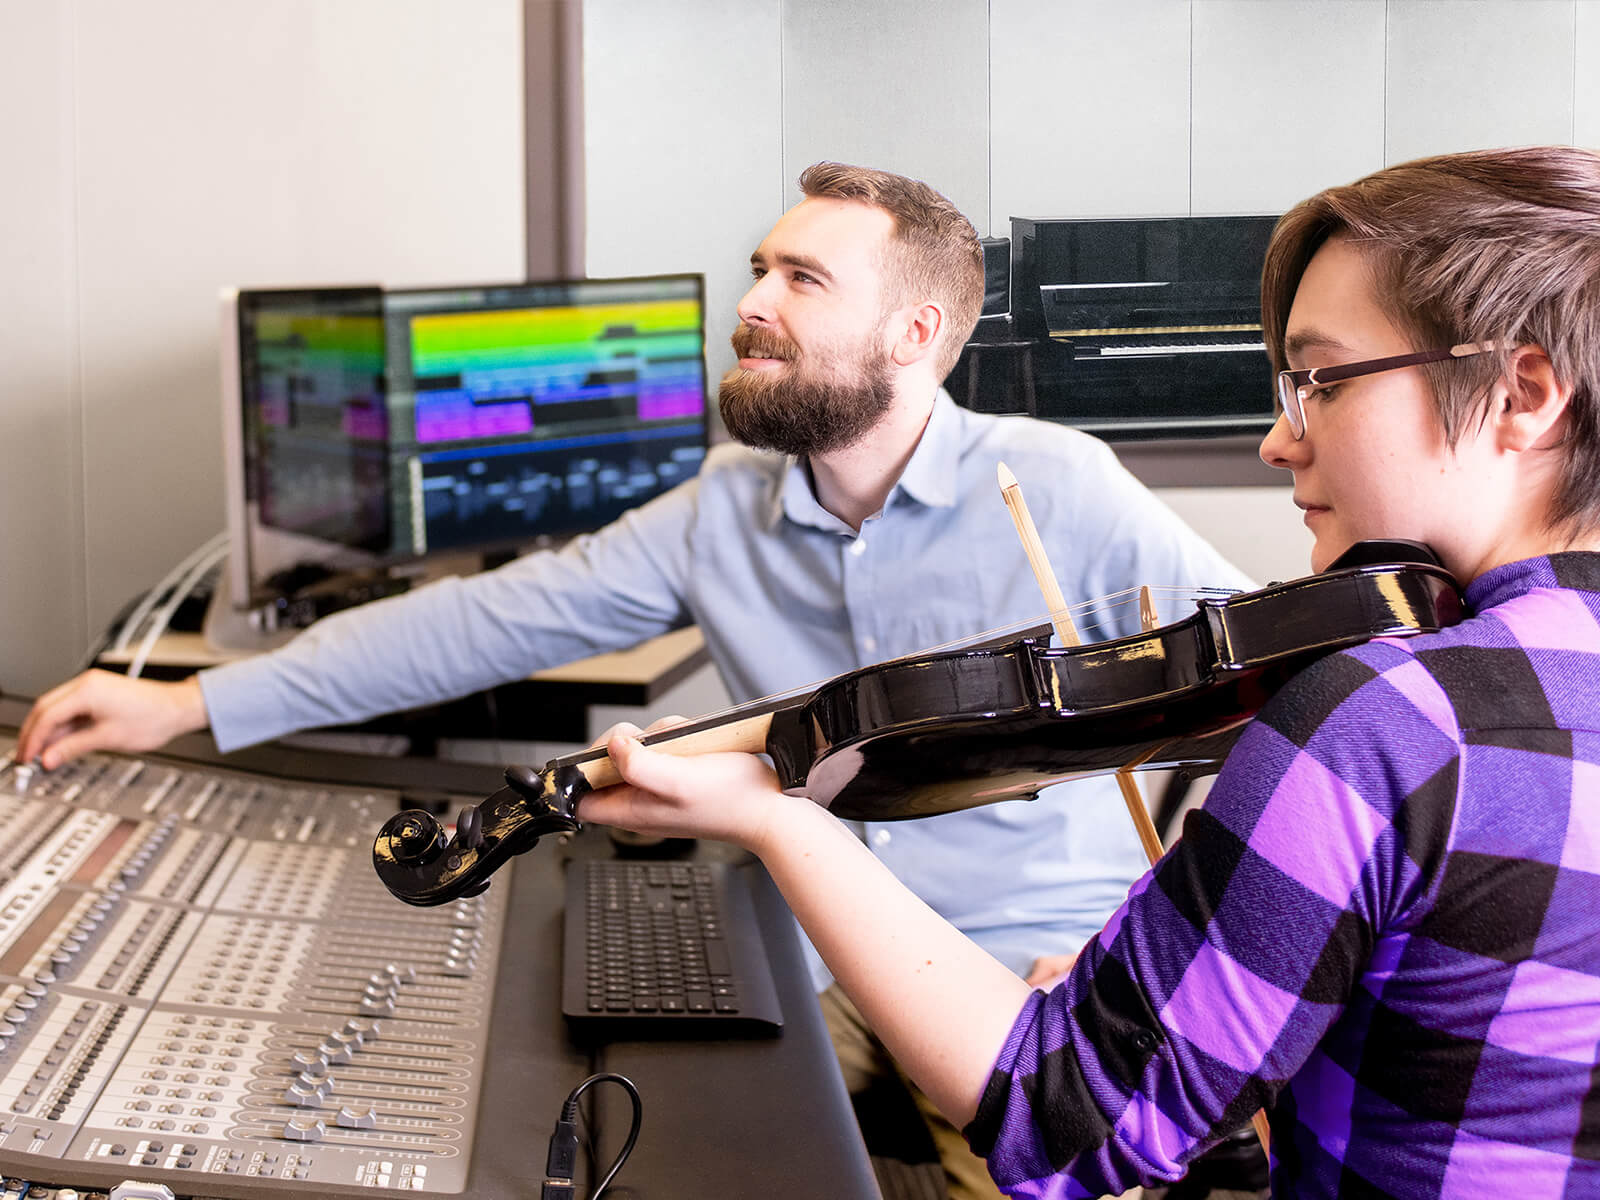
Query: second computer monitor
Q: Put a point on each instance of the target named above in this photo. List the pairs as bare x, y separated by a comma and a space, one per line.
525, 412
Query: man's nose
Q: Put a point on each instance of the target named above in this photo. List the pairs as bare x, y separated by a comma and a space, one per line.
756, 307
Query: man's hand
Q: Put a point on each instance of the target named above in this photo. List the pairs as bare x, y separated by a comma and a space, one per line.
729, 797
1049, 970
100, 710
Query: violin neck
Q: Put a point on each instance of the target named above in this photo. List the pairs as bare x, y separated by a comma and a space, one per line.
740, 732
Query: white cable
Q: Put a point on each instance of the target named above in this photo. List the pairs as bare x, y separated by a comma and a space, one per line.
153, 597
163, 618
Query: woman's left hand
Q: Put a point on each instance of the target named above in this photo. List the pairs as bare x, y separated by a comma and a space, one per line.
729, 797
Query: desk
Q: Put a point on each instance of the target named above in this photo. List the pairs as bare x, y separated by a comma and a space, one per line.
745, 1118
548, 705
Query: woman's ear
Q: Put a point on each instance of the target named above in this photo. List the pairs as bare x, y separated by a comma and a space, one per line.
1528, 406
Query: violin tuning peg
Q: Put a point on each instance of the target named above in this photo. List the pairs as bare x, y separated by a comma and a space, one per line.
469, 828
526, 781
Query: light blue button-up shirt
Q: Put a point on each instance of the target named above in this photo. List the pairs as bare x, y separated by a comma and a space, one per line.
787, 594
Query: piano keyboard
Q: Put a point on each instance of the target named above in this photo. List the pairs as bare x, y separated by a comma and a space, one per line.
1153, 350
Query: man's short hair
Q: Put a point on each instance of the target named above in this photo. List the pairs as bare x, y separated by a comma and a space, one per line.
935, 254
1491, 245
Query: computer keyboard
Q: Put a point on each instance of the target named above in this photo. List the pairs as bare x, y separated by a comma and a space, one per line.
656, 948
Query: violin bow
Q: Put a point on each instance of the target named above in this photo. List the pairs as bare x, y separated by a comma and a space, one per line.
1011, 493
1033, 547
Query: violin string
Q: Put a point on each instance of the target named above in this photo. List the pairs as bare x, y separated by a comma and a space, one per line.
1128, 598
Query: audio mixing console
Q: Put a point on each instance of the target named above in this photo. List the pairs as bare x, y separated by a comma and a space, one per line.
205, 991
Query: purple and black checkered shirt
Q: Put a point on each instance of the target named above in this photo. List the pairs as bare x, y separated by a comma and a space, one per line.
1383, 926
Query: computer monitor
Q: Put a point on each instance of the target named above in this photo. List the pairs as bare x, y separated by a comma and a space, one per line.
367, 428
522, 413
305, 434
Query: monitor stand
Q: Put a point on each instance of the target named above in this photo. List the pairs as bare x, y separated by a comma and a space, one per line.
228, 631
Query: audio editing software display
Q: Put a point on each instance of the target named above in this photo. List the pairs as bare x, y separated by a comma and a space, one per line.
204, 987
320, 430
365, 428
306, 433
543, 409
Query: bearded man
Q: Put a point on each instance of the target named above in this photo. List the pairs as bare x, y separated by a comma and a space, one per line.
875, 530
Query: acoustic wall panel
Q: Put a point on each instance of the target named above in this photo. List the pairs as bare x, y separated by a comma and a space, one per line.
683, 144
1465, 76
296, 142
1088, 110
43, 622
1288, 98
897, 84
1586, 75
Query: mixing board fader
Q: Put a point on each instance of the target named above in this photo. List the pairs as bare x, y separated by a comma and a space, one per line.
205, 989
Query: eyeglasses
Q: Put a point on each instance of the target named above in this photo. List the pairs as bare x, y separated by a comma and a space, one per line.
1295, 387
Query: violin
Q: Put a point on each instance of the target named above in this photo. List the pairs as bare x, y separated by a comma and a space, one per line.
942, 731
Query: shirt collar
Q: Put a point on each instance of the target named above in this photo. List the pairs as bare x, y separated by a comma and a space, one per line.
929, 477
1576, 569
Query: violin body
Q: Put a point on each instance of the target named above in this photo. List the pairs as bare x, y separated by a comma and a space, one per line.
955, 730
950, 730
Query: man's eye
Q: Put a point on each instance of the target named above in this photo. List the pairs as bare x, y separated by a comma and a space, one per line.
802, 277
1324, 392
757, 272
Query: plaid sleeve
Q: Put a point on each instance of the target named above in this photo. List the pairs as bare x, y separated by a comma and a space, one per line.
1218, 977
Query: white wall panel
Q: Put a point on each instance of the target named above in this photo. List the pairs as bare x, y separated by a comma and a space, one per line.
257, 145
1487, 73
1089, 109
682, 143
1586, 75
897, 84
1258, 529
43, 623
1288, 99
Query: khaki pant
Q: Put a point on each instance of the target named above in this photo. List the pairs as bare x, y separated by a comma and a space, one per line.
862, 1059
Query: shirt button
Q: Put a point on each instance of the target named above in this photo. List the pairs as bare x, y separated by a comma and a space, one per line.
858, 547
869, 644
881, 837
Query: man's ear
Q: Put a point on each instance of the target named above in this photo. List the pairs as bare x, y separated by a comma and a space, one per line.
919, 331
1529, 403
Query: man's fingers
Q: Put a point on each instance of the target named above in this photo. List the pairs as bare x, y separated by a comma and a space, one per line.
48, 724
68, 747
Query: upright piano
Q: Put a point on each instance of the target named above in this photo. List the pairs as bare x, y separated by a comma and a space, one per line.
1130, 329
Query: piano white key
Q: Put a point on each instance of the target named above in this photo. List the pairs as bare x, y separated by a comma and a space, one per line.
1153, 351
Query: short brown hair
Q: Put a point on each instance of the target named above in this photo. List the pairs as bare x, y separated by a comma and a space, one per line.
939, 255
1491, 245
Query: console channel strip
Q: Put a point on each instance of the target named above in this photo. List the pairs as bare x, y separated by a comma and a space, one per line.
205, 990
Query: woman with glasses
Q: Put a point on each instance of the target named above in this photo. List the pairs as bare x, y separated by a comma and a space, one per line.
1382, 926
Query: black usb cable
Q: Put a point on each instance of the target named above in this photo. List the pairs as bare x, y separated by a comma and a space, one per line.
562, 1160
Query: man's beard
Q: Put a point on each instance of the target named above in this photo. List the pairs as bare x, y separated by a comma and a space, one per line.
795, 412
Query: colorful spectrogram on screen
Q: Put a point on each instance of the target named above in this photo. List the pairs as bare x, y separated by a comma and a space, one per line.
490, 374
540, 410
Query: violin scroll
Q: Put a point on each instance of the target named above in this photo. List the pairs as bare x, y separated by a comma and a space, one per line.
421, 865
